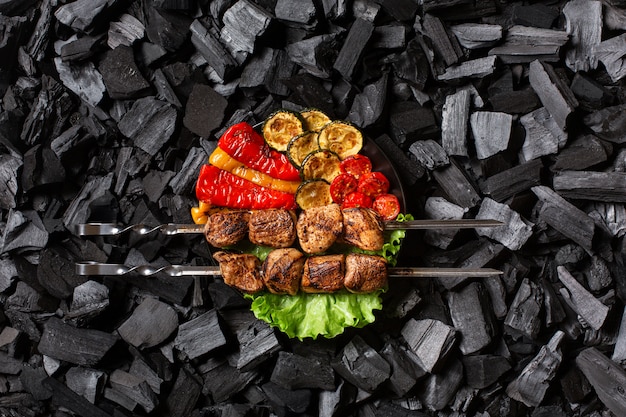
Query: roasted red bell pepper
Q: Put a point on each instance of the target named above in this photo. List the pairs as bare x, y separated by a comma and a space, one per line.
221, 188
244, 144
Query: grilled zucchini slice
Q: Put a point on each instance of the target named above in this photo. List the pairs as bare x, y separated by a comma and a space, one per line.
281, 127
300, 146
313, 193
314, 119
323, 164
341, 137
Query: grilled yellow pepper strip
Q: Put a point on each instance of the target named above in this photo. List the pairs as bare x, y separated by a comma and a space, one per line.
222, 160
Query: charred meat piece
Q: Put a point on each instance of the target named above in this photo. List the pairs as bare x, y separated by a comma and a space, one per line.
323, 274
226, 228
319, 227
282, 271
365, 273
363, 228
275, 228
241, 271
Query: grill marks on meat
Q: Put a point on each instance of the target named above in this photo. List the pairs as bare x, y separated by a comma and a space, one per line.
363, 228
319, 227
282, 271
224, 229
323, 274
275, 228
241, 271
365, 273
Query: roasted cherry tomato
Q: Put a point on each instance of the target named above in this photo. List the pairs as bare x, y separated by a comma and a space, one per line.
356, 165
341, 186
356, 199
373, 184
387, 206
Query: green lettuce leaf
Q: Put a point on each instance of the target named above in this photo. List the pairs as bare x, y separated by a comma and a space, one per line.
311, 315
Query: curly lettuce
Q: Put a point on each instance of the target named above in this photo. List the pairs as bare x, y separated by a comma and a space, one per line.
311, 315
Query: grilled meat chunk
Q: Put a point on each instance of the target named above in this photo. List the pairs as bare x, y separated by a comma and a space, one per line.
365, 273
323, 274
241, 271
275, 228
319, 227
363, 228
226, 228
282, 271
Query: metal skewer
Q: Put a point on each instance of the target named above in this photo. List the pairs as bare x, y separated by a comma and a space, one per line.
114, 229
96, 268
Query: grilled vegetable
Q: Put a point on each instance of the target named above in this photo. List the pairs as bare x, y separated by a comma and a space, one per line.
322, 164
281, 127
373, 184
217, 187
222, 160
387, 206
356, 165
300, 146
341, 137
314, 119
244, 144
341, 186
313, 193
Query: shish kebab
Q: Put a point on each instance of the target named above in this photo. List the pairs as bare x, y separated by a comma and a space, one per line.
316, 229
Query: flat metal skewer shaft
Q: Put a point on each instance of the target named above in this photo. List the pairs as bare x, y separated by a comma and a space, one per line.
96, 268
113, 229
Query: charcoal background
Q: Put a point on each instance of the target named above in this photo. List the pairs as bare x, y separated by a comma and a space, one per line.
129, 152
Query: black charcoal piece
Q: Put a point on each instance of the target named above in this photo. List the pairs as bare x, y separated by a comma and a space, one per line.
391, 36
585, 304
287, 402
455, 183
429, 154
23, 231
200, 335
257, 343
440, 208
184, 395
225, 297
64, 397
10, 365
149, 123
608, 53
581, 153
408, 170
368, 105
87, 382
204, 111
81, 48
523, 44
574, 385
564, 217
543, 135
412, 65
532, 383
167, 29
454, 123
81, 15
134, 388
150, 324
353, 47
212, 50
437, 390
615, 131
300, 11
515, 230
583, 21
294, 372
590, 94
405, 367
555, 95
512, 181
9, 166
307, 90
477, 35
359, 364
483, 370
83, 79
78, 346
430, 340
604, 375
315, 54
338, 401
244, 22
535, 15
444, 43
409, 122
524, 312
609, 187
475, 68
125, 31
121, 76
79, 209
27, 299
470, 311
491, 132
222, 381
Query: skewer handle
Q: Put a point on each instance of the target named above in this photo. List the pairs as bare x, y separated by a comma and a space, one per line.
96, 268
